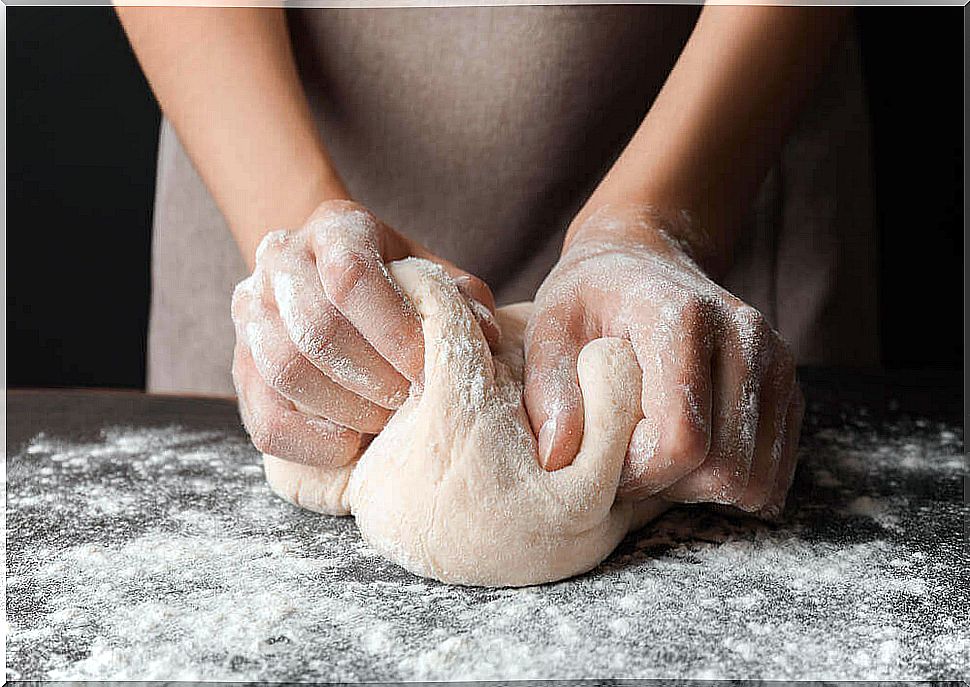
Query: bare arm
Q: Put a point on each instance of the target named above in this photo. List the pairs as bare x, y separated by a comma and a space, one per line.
720, 120
326, 344
227, 80
721, 406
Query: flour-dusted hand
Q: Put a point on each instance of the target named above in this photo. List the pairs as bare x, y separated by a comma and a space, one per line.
721, 406
327, 345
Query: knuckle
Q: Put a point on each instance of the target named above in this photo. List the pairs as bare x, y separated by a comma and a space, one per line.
752, 327
750, 318
316, 339
245, 292
285, 373
686, 441
337, 209
271, 244
334, 220
344, 271
754, 340
694, 314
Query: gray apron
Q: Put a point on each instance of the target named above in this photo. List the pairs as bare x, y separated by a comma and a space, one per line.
480, 131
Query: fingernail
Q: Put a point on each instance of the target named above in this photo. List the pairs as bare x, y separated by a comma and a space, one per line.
547, 433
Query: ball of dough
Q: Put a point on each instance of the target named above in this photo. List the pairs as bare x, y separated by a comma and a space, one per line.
452, 488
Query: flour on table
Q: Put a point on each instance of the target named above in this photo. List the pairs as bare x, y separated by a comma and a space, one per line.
202, 574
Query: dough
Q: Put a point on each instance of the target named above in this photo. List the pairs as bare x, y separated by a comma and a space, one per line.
452, 488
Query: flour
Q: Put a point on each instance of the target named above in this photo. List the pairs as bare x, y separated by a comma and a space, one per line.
159, 554
878, 511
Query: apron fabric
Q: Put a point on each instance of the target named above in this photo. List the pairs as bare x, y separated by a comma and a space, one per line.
480, 131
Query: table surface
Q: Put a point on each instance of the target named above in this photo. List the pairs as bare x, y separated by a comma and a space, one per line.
143, 544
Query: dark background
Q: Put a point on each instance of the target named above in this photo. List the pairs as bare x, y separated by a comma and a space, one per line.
82, 131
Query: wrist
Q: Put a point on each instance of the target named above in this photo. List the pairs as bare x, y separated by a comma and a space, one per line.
659, 224
653, 226
286, 206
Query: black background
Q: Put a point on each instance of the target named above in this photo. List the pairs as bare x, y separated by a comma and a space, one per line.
82, 132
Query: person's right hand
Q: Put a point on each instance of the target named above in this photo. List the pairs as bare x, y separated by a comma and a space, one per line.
327, 345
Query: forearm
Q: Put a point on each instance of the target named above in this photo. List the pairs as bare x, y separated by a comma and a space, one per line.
704, 148
227, 81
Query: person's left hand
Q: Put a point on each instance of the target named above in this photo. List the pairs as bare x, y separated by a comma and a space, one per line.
722, 409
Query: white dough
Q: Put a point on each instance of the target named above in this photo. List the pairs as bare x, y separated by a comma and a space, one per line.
452, 488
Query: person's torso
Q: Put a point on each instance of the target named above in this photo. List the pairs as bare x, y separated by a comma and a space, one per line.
479, 131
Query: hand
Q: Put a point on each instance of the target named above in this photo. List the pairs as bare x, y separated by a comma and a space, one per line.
721, 407
327, 345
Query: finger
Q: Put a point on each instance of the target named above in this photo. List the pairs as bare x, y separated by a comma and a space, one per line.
276, 428
482, 304
739, 360
673, 438
355, 279
777, 393
327, 339
775, 505
476, 292
552, 395
610, 381
291, 375
468, 284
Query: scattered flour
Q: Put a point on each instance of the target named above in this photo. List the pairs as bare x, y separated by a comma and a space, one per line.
161, 555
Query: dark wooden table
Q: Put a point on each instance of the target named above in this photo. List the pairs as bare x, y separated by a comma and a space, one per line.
142, 544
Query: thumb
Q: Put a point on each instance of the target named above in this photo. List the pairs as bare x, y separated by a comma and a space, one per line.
610, 379
552, 397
